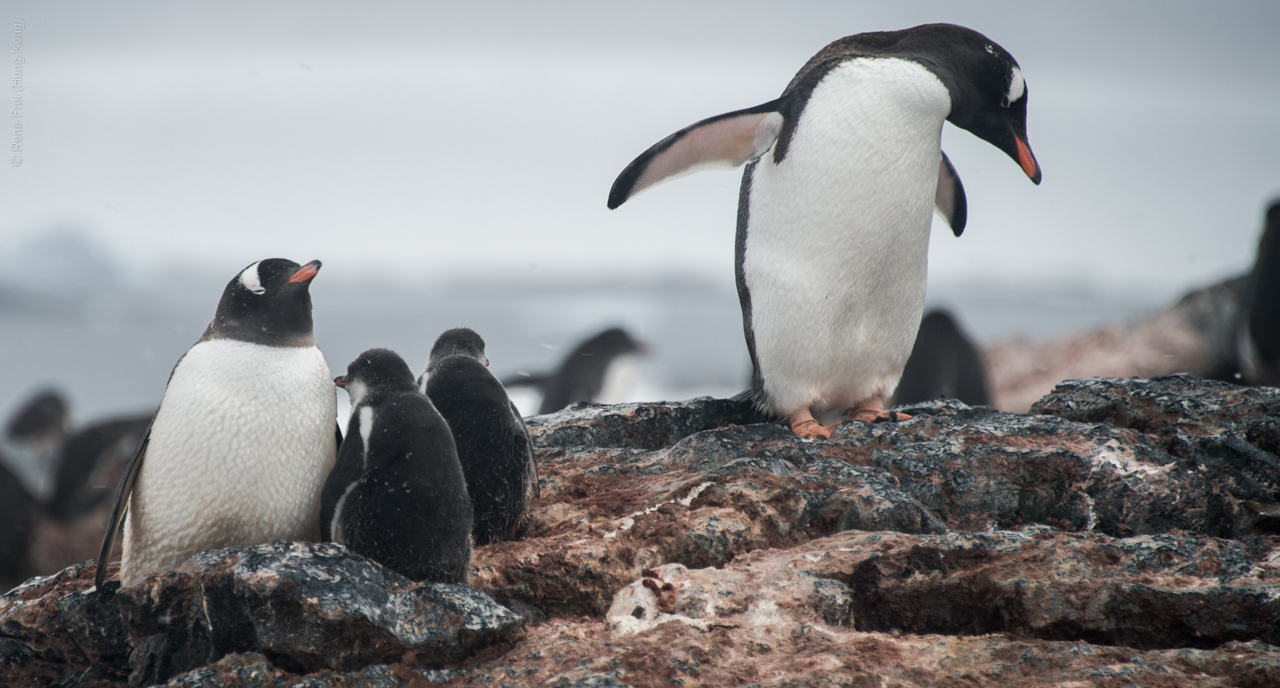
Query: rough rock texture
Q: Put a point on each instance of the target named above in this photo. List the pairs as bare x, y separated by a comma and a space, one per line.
1124, 535
304, 607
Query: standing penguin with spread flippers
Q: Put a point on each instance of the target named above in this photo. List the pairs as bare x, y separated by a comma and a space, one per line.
397, 494
834, 213
493, 442
242, 442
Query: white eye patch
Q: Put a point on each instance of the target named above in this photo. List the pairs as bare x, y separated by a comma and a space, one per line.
249, 279
1017, 86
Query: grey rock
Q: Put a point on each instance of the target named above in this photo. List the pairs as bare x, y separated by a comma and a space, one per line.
304, 606
638, 425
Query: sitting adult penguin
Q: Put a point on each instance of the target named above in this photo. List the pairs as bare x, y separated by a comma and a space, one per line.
493, 442
834, 211
238, 451
397, 494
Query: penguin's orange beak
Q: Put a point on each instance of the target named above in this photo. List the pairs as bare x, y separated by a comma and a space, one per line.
305, 273
340, 381
1028, 161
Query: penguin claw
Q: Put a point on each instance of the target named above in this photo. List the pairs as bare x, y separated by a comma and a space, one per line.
874, 415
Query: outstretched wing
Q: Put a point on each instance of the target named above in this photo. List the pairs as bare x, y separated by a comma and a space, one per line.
121, 503
524, 381
722, 141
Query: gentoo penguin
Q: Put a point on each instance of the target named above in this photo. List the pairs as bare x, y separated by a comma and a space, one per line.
1258, 334
28, 454
834, 212
18, 509
601, 369
31, 442
493, 442
397, 494
944, 364
91, 461
242, 442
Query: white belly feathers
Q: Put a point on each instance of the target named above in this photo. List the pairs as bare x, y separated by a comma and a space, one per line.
838, 237
239, 453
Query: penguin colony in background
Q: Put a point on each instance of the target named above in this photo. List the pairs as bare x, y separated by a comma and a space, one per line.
601, 369
833, 225
843, 172
397, 494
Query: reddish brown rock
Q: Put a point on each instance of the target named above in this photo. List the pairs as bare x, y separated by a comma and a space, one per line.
1119, 538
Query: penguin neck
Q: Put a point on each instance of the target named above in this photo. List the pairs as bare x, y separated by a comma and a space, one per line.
879, 107
861, 169
236, 331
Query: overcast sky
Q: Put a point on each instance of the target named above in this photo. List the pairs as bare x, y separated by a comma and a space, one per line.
419, 140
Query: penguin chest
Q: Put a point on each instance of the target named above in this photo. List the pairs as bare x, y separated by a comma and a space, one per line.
618, 383
837, 236
238, 454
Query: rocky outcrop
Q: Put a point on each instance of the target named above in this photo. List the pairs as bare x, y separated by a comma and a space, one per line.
303, 607
1125, 533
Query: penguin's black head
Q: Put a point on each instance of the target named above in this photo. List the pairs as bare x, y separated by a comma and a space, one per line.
43, 416
375, 369
269, 302
460, 341
614, 341
988, 92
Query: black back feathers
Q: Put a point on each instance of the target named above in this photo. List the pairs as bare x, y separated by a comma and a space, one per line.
397, 493
944, 364
492, 440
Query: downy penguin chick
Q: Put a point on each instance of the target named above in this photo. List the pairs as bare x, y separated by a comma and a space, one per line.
397, 494
493, 442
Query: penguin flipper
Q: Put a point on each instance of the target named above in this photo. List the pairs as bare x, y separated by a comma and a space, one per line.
524, 381
722, 141
949, 200
123, 491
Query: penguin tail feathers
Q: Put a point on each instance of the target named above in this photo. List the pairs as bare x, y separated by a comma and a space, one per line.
723, 141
